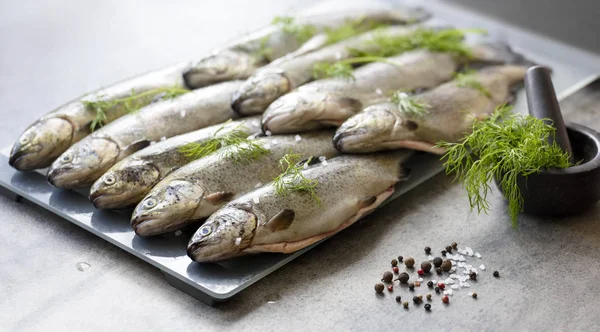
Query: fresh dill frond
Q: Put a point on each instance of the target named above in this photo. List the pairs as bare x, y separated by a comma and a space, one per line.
408, 104
101, 106
263, 51
292, 179
344, 68
302, 32
246, 149
351, 28
503, 147
467, 79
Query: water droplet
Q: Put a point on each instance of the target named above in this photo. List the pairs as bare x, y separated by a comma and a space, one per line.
82, 266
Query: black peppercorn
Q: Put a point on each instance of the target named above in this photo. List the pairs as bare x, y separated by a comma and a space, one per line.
473, 276
454, 245
409, 262
438, 270
394, 262
387, 276
449, 248
400, 258
398, 298
379, 288
411, 286
428, 307
427, 250
415, 299
430, 284
428, 296
443, 252
426, 267
446, 266
496, 274
474, 295
437, 290
405, 304
437, 262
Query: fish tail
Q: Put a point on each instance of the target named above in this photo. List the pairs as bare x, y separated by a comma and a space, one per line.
494, 53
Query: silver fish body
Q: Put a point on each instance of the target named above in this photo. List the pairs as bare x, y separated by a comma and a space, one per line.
55, 132
277, 79
450, 108
349, 187
198, 189
131, 179
241, 58
84, 162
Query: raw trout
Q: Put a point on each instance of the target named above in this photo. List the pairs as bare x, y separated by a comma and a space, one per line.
449, 112
86, 161
127, 182
198, 189
349, 187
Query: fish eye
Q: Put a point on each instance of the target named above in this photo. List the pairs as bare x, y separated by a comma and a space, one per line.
109, 179
66, 158
24, 140
149, 203
205, 230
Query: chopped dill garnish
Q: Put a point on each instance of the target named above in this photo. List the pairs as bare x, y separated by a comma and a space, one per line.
467, 79
302, 32
351, 28
408, 104
517, 146
292, 179
245, 150
436, 40
130, 104
263, 51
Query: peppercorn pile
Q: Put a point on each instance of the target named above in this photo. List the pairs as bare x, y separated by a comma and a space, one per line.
452, 270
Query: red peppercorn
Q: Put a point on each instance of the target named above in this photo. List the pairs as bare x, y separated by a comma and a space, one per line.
445, 299
390, 288
396, 270
421, 272
441, 285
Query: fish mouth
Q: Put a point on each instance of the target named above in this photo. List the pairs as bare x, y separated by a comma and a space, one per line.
18, 158
341, 138
256, 94
60, 177
110, 201
194, 251
146, 226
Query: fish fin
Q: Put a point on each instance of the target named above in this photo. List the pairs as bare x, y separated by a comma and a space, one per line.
281, 221
351, 104
404, 173
367, 201
135, 146
219, 198
496, 52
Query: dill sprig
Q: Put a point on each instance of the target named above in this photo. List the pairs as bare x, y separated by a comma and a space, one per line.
245, 150
467, 79
517, 146
302, 32
408, 104
435, 40
292, 179
351, 28
130, 104
343, 68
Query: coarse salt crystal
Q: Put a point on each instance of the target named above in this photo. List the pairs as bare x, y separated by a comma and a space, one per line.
482, 267
470, 293
274, 142
238, 240
454, 286
453, 263
305, 166
420, 279
378, 91
325, 163
478, 255
298, 138
255, 123
268, 133
267, 146
462, 264
448, 281
452, 270
448, 292
322, 158
463, 278
430, 258
177, 233
474, 270
258, 185
256, 200
454, 276
464, 285
434, 281
182, 114
152, 143
163, 138
338, 55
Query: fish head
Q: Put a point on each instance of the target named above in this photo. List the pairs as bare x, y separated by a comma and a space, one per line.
255, 95
167, 207
224, 235
41, 143
223, 66
308, 110
125, 184
83, 163
373, 129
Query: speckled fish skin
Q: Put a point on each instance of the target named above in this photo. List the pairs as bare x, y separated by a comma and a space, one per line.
349, 187
240, 59
87, 160
451, 112
329, 102
198, 189
127, 182
281, 77
55, 132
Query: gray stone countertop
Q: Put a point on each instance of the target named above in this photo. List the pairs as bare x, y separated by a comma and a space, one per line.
54, 51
